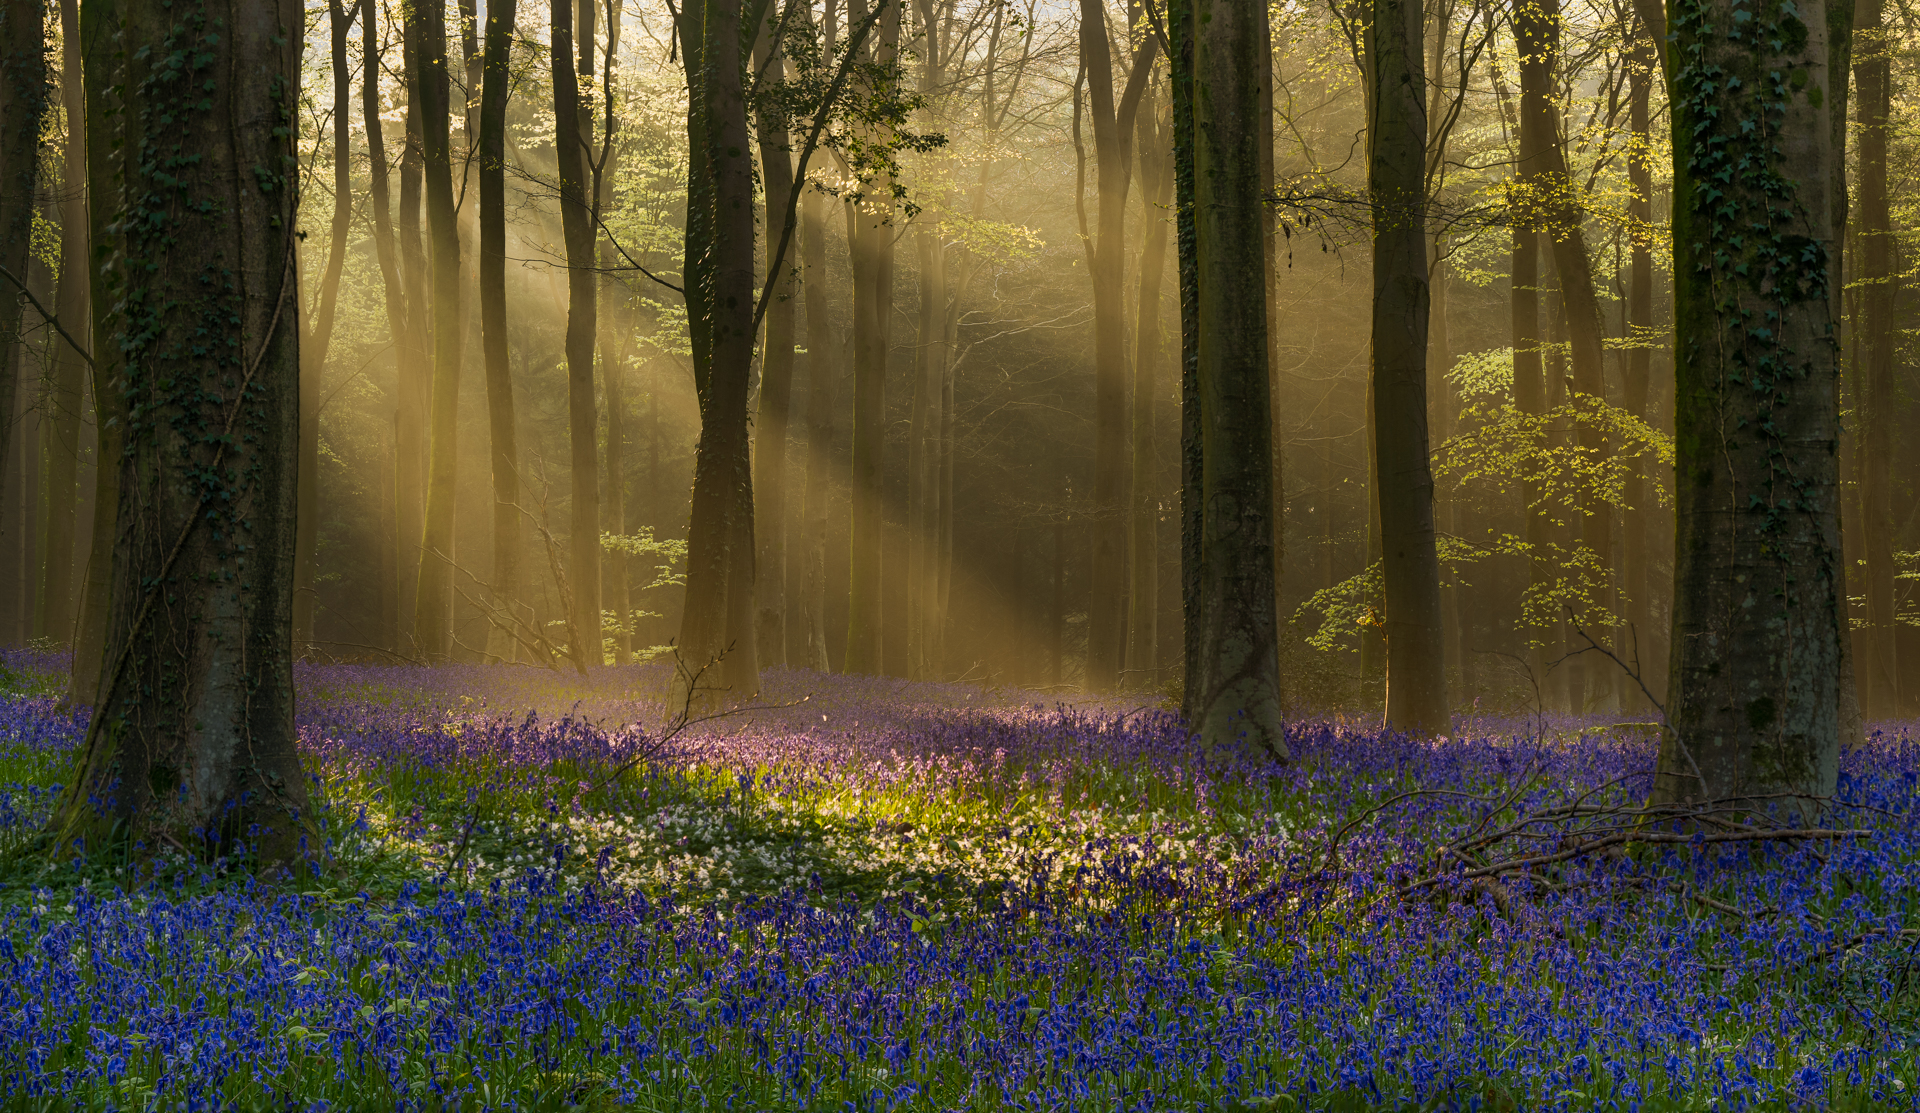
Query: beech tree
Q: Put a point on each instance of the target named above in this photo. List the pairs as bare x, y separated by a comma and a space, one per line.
1754, 693
192, 736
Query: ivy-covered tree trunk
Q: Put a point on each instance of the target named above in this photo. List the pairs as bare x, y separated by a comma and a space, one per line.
716, 627
1239, 704
1410, 564
1758, 606
192, 738
24, 102
319, 338
496, 87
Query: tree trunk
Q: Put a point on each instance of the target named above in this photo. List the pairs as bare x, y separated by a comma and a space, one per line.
1195, 665
576, 219
1758, 612
1879, 401
416, 368
1239, 704
433, 606
870, 249
23, 106
398, 476
809, 619
193, 738
101, 76
320, 336
1636, 578
716, 631
496, 88
55, 615
1143, 541
616, 325
1529, 373
1106, 266
776, 371
1410, 566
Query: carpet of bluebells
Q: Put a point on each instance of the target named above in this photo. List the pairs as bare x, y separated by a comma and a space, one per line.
882, 896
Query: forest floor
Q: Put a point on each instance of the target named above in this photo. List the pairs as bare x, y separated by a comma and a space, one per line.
891, 896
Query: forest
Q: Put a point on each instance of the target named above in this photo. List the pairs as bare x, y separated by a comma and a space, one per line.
959, 555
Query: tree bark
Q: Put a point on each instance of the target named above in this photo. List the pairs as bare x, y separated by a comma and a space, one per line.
576, 219
1240, 702
193, 737
1529, 373
102, 75
433, 606
54, 616
320, 337
716, 632
1758, 611
808, 621
615, 323
870, 249
496, 88
1143, 541
1879, 399
776, 368
410, 430
24, 103
1636, 573
1410, 566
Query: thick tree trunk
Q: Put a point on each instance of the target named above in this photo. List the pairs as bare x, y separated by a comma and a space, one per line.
1410, 566
808, 621
193, 735
23, 106
496, 88
1195, 668
319, 338
1758, 612
1240, 703
101, 78
576, 219
1878, 673
1529, 374
55, 614
776, 373
433, 606
717, 625
1143, 523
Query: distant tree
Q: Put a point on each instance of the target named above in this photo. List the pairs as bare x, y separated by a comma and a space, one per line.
24, 101
1755, 688
192, 737
502, 438
65, 396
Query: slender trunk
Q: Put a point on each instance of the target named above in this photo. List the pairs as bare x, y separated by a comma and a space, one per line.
776, 373
1529, 373
1878, 673
1143, 542
414, 353
616, 324
923, 445
66, 398
1240, 702
1755, 682
433, 606
101, 78
1636, 578
570, 142
23, 106
810, 620
1195, 673
396, 474
870, 247
496, 88
195, 737
320, 336
1113, 125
